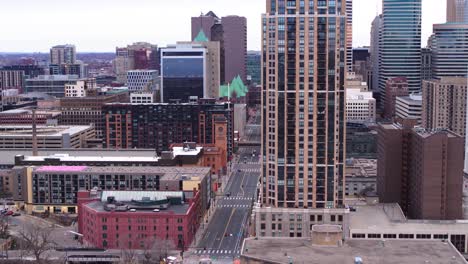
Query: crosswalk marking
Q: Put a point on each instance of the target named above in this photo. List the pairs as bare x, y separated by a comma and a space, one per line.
233, 205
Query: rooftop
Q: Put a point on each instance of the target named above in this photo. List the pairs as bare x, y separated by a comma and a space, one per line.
361, 168
7, 156
42, 131
141, 201
167, 173
389, 218
286, 250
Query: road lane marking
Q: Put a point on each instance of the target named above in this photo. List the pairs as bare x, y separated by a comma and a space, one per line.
227, 225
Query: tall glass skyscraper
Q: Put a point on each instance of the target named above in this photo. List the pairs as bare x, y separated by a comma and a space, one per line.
449, 50
457, 11
303, 102
401, 43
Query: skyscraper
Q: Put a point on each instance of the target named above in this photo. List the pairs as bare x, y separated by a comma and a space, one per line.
231, 32
63, 54
303, 99
375, 52
401, 43
349, 35
457, 11
449, 50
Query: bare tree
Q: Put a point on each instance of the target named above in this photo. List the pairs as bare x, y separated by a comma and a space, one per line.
36, 240
4, 224
127, 253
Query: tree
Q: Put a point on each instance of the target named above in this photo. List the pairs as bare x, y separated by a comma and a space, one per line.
4, 224
155, 249
36, 240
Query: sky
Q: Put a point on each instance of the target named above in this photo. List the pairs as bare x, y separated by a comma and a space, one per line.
102, 25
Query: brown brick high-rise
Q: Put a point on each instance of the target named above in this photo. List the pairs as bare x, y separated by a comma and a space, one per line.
420, 170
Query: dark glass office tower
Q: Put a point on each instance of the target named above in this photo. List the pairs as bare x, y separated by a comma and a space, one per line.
303, 100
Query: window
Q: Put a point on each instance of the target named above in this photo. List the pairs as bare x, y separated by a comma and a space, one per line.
423, 236
273, 226
440, 236
262, 226
312, 218
104, 227
263, 217
179, 228
332, 218
104, 235
104, 243
374, 235
406, 236
319, 218
358, 235
389, 235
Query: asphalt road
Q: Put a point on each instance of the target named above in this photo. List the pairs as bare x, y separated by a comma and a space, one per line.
229, 225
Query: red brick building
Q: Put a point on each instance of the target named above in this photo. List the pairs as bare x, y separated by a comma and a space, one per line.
139, 219
397, 86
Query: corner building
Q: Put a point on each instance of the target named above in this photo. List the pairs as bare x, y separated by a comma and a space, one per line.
303, 103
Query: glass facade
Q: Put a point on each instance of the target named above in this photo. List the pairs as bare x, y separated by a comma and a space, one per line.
303, 67
183, 75
450, 50
400, 47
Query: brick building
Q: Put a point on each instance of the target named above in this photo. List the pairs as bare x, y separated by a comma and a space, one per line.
88, 110
157, 126
397, 86
24, 116
420, 170
54, 188
444, 104
139, 220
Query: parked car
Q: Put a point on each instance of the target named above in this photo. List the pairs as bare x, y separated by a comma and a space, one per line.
16, 214
9, 213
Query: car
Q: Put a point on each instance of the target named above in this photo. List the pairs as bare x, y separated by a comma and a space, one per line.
238, 170
132, 210
156, 210
16, 214
3, 211
228, 194
9, 213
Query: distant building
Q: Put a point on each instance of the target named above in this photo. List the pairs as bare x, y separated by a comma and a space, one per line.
420, 170
457, 11
23, 116
444, 104
361, 63
143, 97
184, 69
394, 87
361, 141
78, 68
88, 110
449, 50
361, 177
63, 54
12, 79
400, 56
80, 88
375, 52
426, 64
231, 32
409, 107
139, 219
360, 106
30, 71
139, 80
157, 126
53, 85
20, 136
254, 96
137, 56
254, 67
212, 67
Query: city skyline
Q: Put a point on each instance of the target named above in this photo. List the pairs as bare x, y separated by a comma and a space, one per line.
146, 17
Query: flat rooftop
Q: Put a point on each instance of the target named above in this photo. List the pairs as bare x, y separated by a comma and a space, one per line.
42, 131
285, 250
361, 168
167, 173
388, 218
7, 156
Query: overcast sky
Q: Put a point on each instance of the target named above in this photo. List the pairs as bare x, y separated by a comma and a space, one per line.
101, 25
